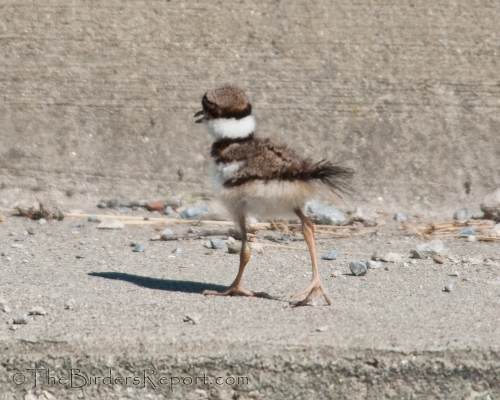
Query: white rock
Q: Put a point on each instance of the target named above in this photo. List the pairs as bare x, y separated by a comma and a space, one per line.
70, 304
111, 224
373, 264
336, 273
38, 311
392, 257
424, 250
193, 318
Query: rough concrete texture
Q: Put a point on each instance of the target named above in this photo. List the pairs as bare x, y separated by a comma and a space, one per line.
393, 333
103, 93
96, 101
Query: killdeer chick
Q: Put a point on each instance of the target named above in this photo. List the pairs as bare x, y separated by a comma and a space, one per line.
260, 178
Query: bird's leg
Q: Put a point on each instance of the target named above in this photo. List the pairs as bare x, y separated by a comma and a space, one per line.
236, 287
315, 287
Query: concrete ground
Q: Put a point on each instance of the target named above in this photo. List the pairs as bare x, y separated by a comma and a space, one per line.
393, 333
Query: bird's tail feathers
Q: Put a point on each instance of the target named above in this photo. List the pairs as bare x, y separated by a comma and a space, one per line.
335, 176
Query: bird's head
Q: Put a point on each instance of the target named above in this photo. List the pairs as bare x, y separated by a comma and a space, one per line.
226, 113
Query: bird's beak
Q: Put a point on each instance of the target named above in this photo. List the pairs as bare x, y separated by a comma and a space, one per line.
199, 121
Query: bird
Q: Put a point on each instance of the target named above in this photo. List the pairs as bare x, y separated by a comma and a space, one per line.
258, 177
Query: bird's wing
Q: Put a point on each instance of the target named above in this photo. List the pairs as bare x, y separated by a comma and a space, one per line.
264, 160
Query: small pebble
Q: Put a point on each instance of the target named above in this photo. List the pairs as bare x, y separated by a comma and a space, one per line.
156, 205
463, 214
31, 231
6, 308
194, 212
466, 230
373, 264
218, 244
13, 328
331, 255
80, 256
155, 238
336, 273
42, 221
177, 251
449, 288
93, 218
322, 328
424, 250
326, 215
3, 218
470, 238
20, 319
406, 265
286, 238
13, 234
19, 239
138, 248
358, 268
454, 273
193, 318
111, 224
208, 244
168, 210
391, 257
400, 217
438, 259
70, 304
18, 246
234, 248
38, 311
25, 261
168, 234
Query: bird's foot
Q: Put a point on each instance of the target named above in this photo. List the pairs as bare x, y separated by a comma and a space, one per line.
231, 291
314, 289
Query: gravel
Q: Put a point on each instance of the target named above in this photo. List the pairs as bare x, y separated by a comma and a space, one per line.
138, 248
326, 215
218, 244
466, 230
331, 255
449, 287
194, 212
168, 234
365, 215
168, 210
358, 268
424, 250
21, 319
491, 205
111, 224
462, 214
38, 310
400, 217
372, 264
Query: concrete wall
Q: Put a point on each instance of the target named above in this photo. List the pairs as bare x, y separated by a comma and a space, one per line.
99, 95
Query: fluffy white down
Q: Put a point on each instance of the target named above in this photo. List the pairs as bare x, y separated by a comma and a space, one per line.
230, 128
223, 172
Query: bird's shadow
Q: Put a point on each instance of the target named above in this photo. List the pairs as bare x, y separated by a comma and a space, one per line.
168, 284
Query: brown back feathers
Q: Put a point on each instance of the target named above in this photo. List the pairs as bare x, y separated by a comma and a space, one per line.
267, 161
